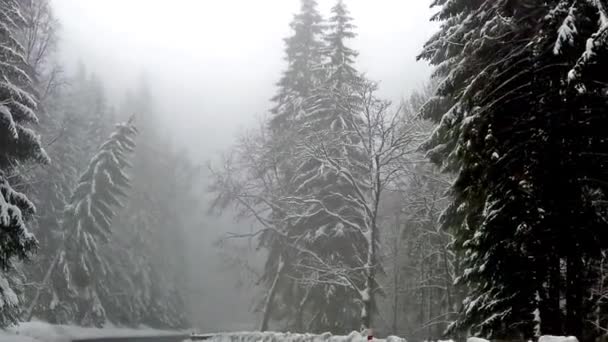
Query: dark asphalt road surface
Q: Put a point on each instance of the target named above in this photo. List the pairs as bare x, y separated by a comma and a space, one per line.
177, 338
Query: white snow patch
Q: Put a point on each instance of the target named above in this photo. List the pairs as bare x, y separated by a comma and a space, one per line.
10, 337
395, 339
289, 337
36, 331
476, 339
550, 338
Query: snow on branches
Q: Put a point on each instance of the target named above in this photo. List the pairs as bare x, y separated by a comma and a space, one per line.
87, 223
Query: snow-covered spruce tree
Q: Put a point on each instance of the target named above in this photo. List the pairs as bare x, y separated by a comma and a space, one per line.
303, 56
149, 235
52, 196
18, 144
49, 186
332, 113
511, 109
344, 216
70, 112
339, 64
81, 274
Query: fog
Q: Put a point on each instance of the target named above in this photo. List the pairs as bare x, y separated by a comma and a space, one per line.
287, 170
218, 61
212, 67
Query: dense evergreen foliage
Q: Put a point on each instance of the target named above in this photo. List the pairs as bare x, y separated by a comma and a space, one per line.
519, 109
82, 271
19, 144
499, 231
314, 177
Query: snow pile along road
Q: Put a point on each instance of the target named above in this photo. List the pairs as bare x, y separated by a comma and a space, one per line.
549, 338
288, 337
44, 332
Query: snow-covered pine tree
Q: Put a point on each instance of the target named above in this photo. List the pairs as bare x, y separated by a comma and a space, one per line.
339, 64
87, 224
332, 113
304, 57
511, 127
335, 101
18, 144
71, 113
149, 295
50, 186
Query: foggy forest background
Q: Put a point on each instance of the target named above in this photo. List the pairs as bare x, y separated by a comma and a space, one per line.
474, 205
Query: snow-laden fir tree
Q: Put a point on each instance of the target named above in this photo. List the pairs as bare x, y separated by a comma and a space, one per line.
18, 144
71, 112
304, 55
332, 112
149, 235
81, 273
49, 186
339, 64
519, 109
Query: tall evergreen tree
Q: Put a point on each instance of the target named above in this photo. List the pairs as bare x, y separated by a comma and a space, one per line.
332, 112
151, 295
340, 59
18, 144
512, 127
304, 58
80, 273
76, 122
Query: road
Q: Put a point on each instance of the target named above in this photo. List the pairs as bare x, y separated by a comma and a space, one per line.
177, 338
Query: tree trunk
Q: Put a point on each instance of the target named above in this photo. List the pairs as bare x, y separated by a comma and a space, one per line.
300, 312
396, 273
550, 313
421, 291
30, 310
448, 283
366, 320
367, 297
271, 293
395, 301
574, 296
430, 313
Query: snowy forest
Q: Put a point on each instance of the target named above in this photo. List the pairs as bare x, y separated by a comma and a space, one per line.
471, 202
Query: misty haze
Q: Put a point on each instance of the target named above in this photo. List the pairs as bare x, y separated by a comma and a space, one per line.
303, 170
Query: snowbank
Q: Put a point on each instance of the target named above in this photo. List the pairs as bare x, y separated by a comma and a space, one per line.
10, 337
549, 338
288, 337
476, 339
41, 331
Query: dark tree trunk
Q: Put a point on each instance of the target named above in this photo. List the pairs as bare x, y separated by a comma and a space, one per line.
574, 297
300, 312
550, 313
270, 297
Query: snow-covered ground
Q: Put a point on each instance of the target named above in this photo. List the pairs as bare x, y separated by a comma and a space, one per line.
549, 338
327, 337
44, 332
288, 337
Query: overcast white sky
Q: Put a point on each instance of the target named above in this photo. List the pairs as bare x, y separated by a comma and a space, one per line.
215, 62
213, 65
